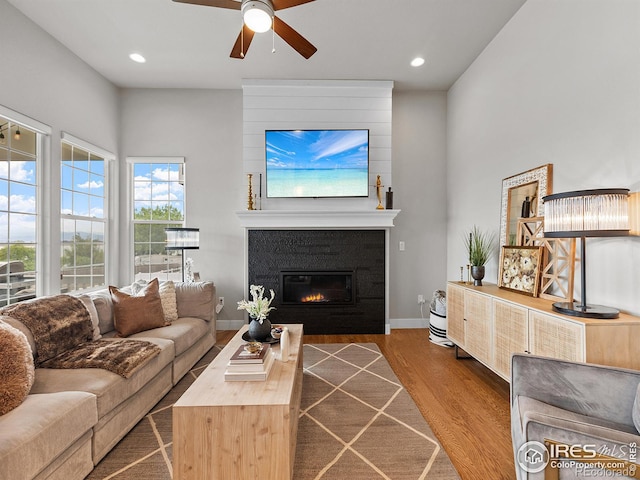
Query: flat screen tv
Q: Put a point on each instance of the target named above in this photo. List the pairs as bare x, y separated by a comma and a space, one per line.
317, 163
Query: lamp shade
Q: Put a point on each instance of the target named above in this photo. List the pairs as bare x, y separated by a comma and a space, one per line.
182, 238
587, 213
257, 15
581, 214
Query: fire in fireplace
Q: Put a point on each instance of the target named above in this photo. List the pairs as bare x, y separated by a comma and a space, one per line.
317, 288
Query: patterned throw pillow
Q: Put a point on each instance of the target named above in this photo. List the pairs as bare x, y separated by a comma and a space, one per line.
167, 297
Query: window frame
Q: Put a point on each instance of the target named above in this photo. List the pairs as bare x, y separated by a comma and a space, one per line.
42, 157
108, 158
132, 222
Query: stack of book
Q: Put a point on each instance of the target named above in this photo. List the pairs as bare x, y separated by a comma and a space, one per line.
244, 366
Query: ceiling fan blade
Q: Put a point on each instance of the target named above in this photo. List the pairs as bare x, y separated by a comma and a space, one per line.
282, 4
232, 4
293, 38
243, 41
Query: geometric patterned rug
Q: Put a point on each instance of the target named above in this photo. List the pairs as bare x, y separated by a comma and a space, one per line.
357, 422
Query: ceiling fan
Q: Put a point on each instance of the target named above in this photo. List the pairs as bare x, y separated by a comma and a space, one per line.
258, 16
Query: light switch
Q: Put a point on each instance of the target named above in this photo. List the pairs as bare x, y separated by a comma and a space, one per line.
401, 246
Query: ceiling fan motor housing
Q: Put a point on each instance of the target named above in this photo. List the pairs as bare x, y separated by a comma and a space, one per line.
257, 14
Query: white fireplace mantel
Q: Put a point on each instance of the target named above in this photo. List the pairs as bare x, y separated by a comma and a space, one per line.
313, 219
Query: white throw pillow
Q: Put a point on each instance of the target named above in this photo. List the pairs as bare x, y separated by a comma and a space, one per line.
167, 297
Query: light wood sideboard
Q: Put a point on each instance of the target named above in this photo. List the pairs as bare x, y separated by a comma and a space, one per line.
490, 324
224, 430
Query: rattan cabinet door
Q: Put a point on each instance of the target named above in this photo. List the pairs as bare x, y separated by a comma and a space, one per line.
477, 313
555, 337
455, 315
510, 334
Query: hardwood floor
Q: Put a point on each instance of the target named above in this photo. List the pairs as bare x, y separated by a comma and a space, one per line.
465, 403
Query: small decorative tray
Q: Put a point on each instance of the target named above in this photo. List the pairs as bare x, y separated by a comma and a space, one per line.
269, 339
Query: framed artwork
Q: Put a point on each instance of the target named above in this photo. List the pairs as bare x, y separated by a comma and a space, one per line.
520, 269
529, 186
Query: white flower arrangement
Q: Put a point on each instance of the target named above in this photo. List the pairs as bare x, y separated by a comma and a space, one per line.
259, 306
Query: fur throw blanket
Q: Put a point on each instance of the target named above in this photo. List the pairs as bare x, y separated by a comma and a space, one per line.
58, 323
123, 357
63, 335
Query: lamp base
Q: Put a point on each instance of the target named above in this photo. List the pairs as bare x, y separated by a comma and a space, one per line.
590, 311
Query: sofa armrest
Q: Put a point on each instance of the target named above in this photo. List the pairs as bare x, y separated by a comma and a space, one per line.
598, 391
196, 299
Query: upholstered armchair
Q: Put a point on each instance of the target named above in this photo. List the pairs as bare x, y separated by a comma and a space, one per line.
574, 420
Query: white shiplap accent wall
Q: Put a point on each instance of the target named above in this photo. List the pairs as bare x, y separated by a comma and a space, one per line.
317, 104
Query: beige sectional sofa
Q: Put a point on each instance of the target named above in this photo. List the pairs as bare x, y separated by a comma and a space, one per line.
73, 417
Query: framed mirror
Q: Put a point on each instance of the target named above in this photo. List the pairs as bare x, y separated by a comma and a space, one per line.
522, 196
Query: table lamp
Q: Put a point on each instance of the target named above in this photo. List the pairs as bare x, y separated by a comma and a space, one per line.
182, 238
581, 214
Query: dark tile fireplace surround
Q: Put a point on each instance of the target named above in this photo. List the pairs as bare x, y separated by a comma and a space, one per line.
332, 281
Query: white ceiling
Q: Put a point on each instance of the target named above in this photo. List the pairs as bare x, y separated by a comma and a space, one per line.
188, 46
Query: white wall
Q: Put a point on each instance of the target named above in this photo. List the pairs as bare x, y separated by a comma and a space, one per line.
205, 127
559, 84
419, 173
43, 80
291, 104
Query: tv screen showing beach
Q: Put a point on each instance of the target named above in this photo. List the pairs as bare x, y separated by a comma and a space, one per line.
317, 163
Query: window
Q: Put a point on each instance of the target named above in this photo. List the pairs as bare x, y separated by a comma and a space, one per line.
158, 203
19, 153
84, 220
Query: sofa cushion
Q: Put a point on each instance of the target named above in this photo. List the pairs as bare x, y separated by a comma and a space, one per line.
167, 297
58, 323
110, 388
195, 299
536, 412
636, 410
41, 429
16, 368
184, 333
135, 314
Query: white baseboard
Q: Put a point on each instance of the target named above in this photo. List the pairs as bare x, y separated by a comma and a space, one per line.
409, 323
229, 324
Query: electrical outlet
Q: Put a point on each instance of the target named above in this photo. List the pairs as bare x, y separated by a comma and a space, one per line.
421, 299
220, 304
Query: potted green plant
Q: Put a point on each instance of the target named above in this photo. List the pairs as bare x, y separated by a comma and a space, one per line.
481, 248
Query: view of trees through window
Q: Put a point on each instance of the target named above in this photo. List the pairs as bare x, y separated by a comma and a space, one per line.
83, 219
158, 193
18, 212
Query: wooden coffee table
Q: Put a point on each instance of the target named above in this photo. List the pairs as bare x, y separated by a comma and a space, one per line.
239, 430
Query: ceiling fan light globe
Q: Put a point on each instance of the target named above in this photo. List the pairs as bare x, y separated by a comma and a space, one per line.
257, 15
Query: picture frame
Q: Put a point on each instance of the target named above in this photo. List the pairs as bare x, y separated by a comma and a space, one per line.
534, 183
520, 269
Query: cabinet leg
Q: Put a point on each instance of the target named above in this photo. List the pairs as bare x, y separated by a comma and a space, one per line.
459, 357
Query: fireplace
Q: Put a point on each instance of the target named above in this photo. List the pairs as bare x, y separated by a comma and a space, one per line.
345, 267
317, 288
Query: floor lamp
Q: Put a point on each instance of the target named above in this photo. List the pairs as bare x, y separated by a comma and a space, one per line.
581, 214
182, 238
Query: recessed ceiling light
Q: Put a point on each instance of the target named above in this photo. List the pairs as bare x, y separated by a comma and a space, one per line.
417, 62
136, 57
